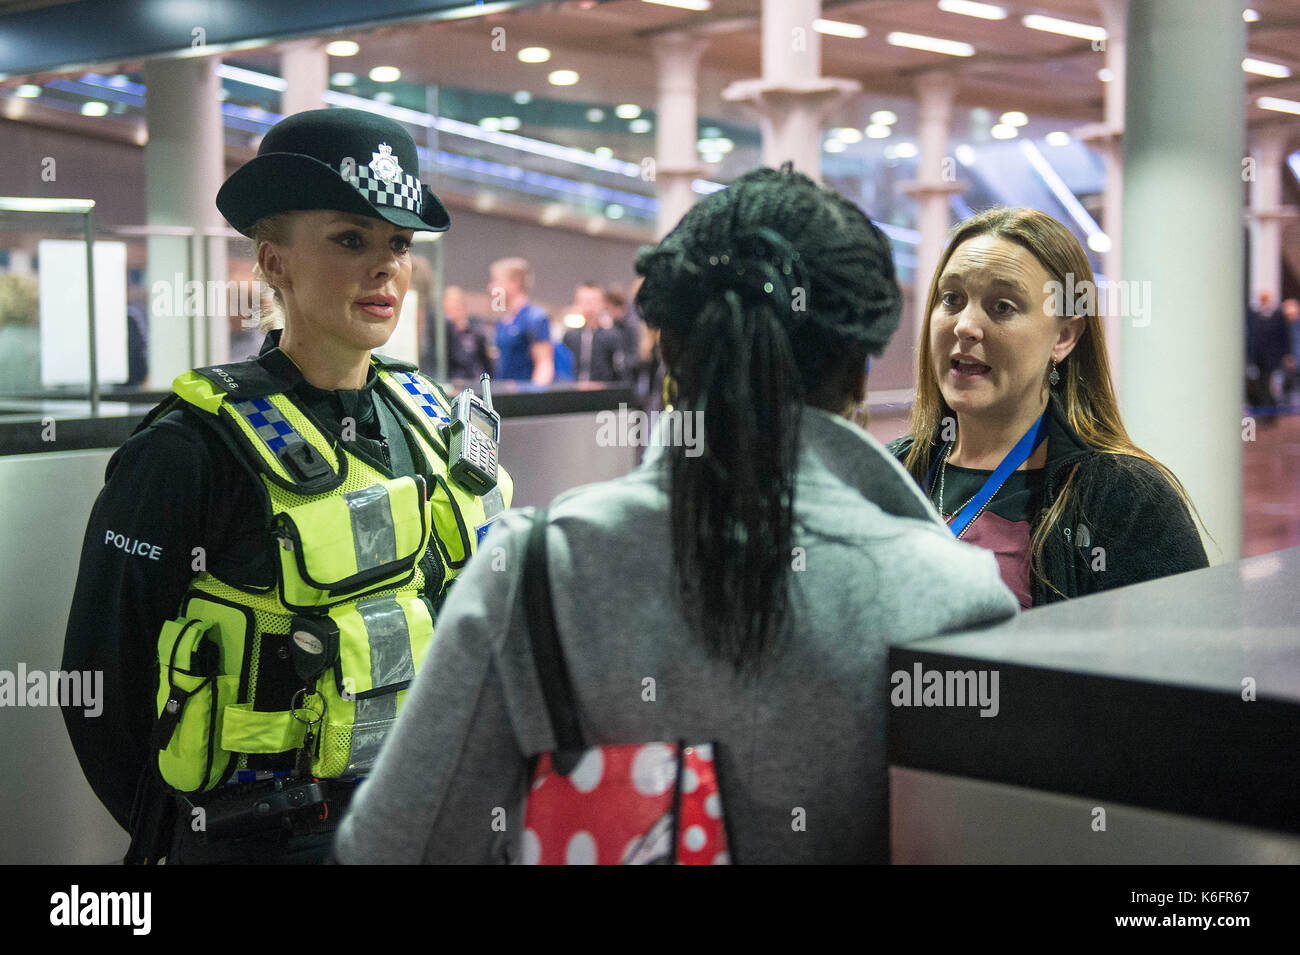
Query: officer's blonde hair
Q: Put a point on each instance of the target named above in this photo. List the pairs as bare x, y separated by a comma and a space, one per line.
277, 229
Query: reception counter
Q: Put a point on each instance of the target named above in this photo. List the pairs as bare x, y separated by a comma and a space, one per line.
1158, 723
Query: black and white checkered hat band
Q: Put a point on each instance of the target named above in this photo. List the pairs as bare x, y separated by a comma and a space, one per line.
403, 193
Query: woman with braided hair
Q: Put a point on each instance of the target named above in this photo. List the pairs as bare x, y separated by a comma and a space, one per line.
742, 589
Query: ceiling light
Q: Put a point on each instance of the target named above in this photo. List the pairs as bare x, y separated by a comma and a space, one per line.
985, 11
252, 77
1084, 31
534, 54
384, 96
523, 97
562, 77
884, 117
712, 157
838, 28
878, 131
490, 123
574, 320
710, 132
343, 79
1099, 242
595, 115
94, 108
834, 146
1003, 131
1250, 16
509, 123
1014, 118
28, 91
385, 74
847, 134
1280, 105
697, 5
965, 155
614, 211
905, 150
341, 48
640, 126
627, 111
1105, 74
1057, 138
916, 41
1265, 68
602, 152
891, 151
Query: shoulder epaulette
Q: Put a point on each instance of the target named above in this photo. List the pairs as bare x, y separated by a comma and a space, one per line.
239, 380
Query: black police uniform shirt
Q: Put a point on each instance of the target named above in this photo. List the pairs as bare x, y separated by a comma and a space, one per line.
170, 489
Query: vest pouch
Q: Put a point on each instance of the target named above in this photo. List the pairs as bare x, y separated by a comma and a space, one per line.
339, 547
192, 695
451, 518
381, 640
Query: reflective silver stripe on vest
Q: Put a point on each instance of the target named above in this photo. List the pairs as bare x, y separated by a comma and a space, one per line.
390, 662
374, 539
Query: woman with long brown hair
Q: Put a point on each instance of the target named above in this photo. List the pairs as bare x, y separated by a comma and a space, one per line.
1024, 450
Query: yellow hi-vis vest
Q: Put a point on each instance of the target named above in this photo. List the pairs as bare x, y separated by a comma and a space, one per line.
334, 644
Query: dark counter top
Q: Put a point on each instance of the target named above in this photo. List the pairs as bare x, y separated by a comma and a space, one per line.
1134, 695
23, 423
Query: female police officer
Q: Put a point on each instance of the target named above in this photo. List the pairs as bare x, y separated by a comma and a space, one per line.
261, 570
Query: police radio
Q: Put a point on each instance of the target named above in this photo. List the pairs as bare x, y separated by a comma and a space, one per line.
472, 439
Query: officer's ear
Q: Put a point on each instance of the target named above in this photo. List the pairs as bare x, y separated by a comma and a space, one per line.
272, 264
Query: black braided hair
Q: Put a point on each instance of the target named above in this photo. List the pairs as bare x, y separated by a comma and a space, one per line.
764, 291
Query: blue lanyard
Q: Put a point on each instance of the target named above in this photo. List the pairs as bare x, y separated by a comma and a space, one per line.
1017, 456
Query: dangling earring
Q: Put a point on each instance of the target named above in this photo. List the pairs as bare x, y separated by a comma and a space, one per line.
1054, 378
668, 392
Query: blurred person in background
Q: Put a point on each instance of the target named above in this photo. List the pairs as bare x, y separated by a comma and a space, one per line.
785, 671
1268, 343
1011, 371
467, 342
597, 347
1291, 311
525, 352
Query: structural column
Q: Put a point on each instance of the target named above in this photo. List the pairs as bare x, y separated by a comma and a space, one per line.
1107, 139
305, 67
1268, 217
1181, 394
932, 189
184, 168
792, 97
677, 57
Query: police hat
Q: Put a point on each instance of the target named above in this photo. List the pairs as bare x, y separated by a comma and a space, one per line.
345, 159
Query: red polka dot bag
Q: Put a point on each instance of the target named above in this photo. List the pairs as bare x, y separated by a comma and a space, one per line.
616, 804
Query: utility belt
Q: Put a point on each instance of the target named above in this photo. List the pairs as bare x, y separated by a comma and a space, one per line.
294, 807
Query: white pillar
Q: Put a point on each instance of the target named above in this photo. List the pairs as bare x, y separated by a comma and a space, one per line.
1268, 217
1107, 138
1181, 394
305, 66
677, 57
184, 168
792, 97
935, 182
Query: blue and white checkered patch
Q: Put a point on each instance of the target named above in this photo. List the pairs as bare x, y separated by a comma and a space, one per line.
416, 387
404, 192
269, 424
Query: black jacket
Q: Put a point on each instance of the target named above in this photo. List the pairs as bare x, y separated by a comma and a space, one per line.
1124, 524
175, 486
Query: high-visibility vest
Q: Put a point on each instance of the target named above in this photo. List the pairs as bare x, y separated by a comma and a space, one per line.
333, 645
